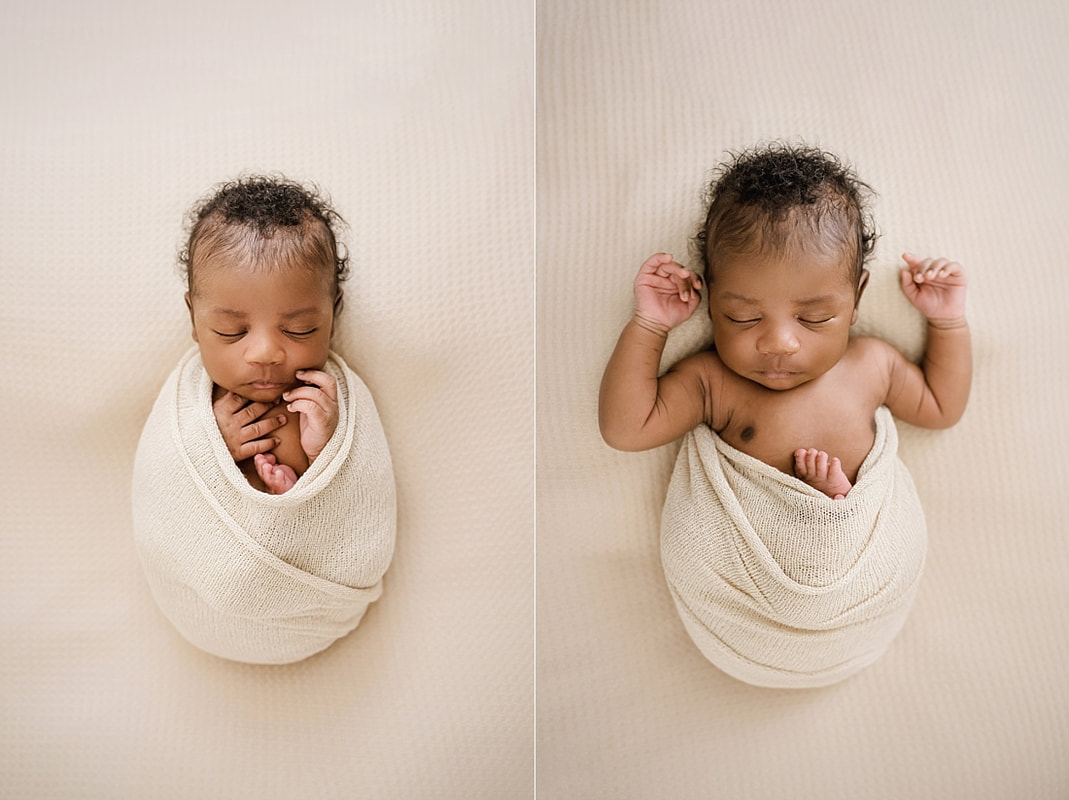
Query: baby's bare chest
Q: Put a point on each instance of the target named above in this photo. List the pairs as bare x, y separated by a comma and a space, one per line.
771, 426
289, 450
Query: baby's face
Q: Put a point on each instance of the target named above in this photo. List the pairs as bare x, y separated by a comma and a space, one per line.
256, 328
779, 322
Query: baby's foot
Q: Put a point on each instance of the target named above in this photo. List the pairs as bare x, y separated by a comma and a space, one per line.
278, 478
822, 473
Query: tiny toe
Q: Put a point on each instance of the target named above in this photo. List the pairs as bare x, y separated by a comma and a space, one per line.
821, 461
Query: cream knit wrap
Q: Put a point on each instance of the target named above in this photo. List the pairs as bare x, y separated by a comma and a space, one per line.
250, 576
776, 583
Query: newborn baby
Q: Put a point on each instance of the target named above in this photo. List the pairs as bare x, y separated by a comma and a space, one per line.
264, 275
784, 244
263, 495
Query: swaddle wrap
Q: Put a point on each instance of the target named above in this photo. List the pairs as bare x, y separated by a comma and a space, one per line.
250, 576
779, 585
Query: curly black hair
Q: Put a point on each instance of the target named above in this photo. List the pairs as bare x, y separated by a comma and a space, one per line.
756, 200
268, 221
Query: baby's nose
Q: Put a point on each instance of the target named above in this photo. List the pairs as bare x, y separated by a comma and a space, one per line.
263, 350
778, 341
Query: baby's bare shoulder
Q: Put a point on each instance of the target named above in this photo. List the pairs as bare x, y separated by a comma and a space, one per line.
872, 351
875, 363
704, 368
711, 384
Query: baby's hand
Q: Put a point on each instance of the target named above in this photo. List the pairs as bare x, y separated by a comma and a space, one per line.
317, 403
936, 287
242, 427
666, 293
278, 478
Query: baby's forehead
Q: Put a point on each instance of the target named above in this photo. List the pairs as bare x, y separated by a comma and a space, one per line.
220, 280
755, 276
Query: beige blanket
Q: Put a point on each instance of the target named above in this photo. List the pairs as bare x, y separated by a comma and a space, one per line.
776, 583
250, 576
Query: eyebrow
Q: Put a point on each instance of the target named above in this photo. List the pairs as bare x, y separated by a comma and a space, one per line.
301, 312
810, 301
297, 312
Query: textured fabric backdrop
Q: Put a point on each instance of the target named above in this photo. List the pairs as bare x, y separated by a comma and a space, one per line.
417, 118
956, 112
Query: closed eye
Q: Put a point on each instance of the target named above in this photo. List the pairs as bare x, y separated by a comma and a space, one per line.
817, 321
301, 334
742, 321
237, 335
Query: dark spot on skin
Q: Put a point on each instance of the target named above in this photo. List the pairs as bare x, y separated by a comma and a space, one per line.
747, 433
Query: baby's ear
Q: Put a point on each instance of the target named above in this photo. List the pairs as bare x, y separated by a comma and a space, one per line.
192, 319
338, 303
862, 282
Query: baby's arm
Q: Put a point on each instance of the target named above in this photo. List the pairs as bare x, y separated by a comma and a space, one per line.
934, 395
636, 410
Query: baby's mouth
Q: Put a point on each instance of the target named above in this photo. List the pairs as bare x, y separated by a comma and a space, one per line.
266, 390
777, 378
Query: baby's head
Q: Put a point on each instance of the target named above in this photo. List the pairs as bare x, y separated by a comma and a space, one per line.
264, 272
783, 249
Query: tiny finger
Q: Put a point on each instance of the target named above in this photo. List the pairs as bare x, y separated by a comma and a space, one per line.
652, 263
229, 403
309, 408
264, 426
311, 393
251, 413
317, 377
256, 447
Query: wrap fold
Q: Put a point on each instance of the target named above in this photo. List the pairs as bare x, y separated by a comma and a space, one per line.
250, 576
779, 585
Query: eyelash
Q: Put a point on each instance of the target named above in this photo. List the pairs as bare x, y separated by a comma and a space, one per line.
294, 334
756, 320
